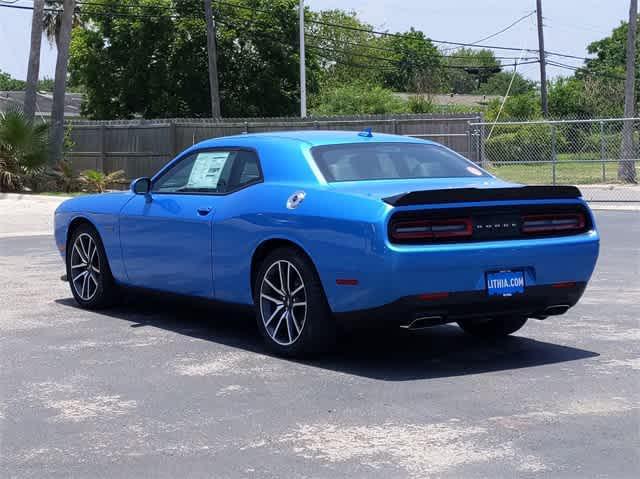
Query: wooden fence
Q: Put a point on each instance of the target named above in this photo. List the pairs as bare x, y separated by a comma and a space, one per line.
141, 147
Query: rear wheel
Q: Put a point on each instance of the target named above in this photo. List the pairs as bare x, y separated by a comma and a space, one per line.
88, 270
292, 312
493, 328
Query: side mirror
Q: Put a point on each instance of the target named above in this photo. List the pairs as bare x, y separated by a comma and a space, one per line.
141, 186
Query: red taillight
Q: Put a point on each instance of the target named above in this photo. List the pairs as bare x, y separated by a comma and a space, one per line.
553, 223
433, 296
431, 229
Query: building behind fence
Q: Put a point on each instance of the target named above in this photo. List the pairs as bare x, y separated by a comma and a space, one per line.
583, 152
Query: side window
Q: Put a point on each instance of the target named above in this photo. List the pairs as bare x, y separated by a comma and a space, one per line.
206, 172
245, 170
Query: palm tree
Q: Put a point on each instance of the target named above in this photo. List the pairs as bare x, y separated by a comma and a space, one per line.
33, 69
97, 181
52, 20
60, 83
23, 149
66, 176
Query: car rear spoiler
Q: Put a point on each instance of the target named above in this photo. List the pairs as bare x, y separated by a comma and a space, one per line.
466, 195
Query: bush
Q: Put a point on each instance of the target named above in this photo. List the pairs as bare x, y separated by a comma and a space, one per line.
525, 106
419, 104
526, 143
357, 99
23, 149
98, 182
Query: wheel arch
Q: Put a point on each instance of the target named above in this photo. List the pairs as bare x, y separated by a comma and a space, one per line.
269, 245
74, 224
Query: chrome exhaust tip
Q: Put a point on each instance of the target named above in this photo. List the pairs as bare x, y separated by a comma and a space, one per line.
423, 323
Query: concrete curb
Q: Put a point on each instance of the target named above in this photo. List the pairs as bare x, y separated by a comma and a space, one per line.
33, 197
615, 206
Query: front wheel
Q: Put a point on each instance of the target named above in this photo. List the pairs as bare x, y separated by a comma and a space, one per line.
292, 312
88, 270
493, 328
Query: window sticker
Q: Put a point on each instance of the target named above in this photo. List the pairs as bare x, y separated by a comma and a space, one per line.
207, 169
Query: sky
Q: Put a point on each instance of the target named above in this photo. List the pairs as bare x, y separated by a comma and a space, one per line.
570, 25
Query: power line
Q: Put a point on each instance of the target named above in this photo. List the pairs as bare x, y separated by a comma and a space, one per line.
380, 33
403, 63
511, 25
367, 56
104, 14
318, 22
584, 71
391, 50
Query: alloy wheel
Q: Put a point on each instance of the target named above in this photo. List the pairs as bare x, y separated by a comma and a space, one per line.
85, 267
283, 302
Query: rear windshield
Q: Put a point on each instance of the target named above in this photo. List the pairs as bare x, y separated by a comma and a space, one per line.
391, 161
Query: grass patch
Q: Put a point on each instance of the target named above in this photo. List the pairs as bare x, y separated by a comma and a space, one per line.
568, 171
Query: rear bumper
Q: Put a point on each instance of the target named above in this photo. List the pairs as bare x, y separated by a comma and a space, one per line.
534, 303
405, 271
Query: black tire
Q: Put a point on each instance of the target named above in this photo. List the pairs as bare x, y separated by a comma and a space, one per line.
316, 332
493, 328
102, 294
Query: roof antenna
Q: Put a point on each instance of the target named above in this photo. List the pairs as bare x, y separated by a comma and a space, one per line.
366, 133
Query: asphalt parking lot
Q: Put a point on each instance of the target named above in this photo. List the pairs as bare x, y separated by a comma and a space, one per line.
159, 388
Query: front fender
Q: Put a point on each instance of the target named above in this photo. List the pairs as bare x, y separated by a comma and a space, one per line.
102, 211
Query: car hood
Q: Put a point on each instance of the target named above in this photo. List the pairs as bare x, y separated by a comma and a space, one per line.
384, 188
103, 203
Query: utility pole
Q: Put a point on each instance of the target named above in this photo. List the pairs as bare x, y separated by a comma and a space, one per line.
303, 68
33, 70
626, 169
213, 60
543, 65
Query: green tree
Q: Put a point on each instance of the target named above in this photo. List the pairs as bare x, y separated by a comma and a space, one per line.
8, 83
347, 52
567, 98
417, 63
460, 79
156, 65
604, 74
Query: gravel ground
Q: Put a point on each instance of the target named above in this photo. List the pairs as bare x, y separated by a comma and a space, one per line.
159, 388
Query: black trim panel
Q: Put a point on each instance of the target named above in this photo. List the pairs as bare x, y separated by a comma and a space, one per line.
508, 218
472, 304
463, 195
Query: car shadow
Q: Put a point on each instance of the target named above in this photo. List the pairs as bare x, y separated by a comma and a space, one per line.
376, 352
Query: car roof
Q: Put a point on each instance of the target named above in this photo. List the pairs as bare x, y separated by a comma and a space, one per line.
311, 138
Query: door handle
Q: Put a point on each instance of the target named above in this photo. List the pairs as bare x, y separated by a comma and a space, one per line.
204, 211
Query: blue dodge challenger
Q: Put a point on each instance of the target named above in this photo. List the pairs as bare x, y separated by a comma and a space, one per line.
309, 227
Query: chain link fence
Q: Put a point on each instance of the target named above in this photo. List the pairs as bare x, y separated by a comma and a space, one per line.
586, 153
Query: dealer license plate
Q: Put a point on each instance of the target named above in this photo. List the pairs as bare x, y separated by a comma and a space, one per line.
505, 283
